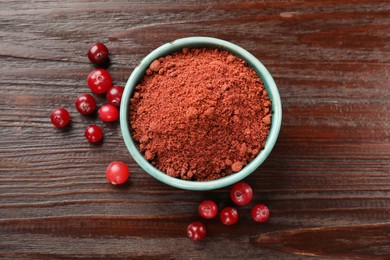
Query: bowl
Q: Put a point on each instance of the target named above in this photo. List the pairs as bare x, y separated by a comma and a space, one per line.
195, 42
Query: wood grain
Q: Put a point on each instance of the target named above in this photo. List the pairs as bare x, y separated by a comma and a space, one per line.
327, 182
323, 241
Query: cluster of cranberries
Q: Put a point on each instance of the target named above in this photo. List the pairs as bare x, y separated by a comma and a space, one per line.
241, 194
100, 82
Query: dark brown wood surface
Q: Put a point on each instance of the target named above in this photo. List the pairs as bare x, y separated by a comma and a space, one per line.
327, 182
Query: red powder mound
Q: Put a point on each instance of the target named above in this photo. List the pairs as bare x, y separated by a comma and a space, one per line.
200, 114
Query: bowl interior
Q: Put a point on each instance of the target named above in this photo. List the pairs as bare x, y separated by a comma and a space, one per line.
197, 42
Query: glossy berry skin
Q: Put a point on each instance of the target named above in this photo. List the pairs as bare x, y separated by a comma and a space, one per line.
99, 81
196, 231
97, 53
114, 95
260, 213
208, 209
59, 117
229, 216
241, 193
93, 133
85, 104
108, 113
117, 173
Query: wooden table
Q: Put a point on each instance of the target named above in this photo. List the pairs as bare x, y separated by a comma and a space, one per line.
327, 182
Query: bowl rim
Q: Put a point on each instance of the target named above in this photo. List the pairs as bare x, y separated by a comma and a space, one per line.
192, 42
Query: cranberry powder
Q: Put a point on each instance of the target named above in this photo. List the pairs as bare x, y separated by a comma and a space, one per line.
200, 114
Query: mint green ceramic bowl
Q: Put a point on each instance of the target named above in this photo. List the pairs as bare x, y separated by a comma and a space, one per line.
193, 42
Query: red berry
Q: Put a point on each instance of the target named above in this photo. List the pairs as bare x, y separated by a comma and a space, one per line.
97, 53
85, 104
229, 216
196, 231
99, 81
208, 209
241, 193
93, 133
59, 117
260, 213
117, 173
108, 113
114, 95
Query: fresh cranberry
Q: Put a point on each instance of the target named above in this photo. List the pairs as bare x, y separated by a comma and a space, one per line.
99, 81
260, 213
241, 193
108, 113
229, 216
85, 104
114, 95
59, 117
208, 209
93, 133
117, 173
196, 231
97, 53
